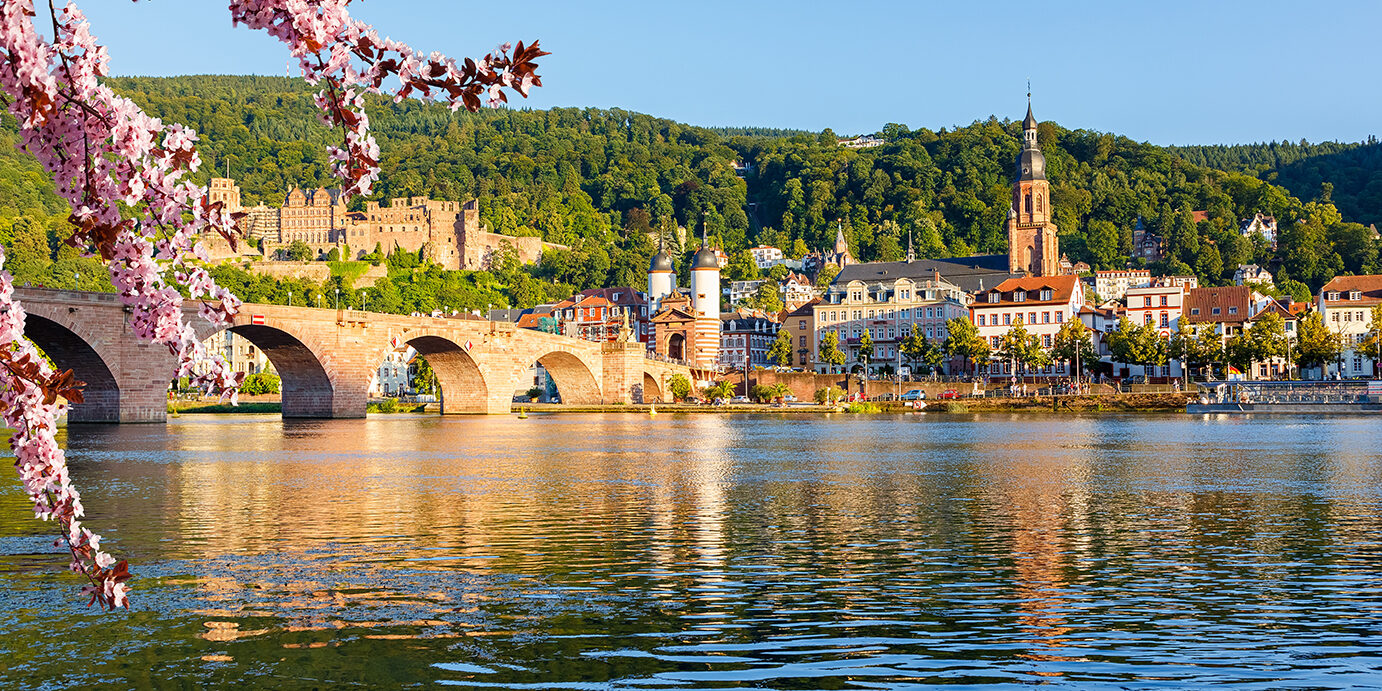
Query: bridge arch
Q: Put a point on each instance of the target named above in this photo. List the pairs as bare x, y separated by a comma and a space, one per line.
308, 389
71, 350
576, 383
463, 386
652, 388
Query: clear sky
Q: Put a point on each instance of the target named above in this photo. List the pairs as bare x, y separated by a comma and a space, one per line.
1168, 72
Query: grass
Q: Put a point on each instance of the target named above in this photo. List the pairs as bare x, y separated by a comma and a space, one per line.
862, 407
253, 407
351, 271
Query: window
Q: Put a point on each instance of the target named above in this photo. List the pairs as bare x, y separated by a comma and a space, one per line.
1019, 296
1046, 340
1164, 301
993, 297
1045, 293
870, 314
1233, 310
1335, 316
1194, 311
1031, 318
1348, 316
1007, 318
1147, 301
801, 324
858, 314
1214, 311
1060, 317
1333, 295
1147, 319
1355, 295
1045, 317
1165, 320
994, 339
981, 320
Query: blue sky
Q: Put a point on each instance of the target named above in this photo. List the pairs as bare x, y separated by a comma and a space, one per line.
1165, 72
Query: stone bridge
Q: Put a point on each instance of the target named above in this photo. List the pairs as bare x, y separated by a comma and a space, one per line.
327, 358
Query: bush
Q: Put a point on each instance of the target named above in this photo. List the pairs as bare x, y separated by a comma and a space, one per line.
829, 395
533, 392
862, 407
763, 394
953, 407
388, 405
260, 384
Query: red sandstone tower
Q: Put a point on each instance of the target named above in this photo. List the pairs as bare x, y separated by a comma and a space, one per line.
1032, 244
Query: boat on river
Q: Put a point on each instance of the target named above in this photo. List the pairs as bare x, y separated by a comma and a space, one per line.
1339, 397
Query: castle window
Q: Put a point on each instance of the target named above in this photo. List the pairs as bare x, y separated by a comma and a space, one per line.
1029, 203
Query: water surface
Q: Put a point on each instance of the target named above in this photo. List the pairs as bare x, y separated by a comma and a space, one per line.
708, 551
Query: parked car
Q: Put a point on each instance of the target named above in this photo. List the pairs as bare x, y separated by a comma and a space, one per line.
789, 398
949, 395
739, 399
1136, 379
914, 395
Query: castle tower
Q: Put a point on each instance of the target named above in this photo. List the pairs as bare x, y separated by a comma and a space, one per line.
705, 299
1032, 243
662, 279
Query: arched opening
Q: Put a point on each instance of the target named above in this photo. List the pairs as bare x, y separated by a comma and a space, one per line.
573, 381
1028, 253
676, 347
462, 387
652, 392
306, 389
67, 350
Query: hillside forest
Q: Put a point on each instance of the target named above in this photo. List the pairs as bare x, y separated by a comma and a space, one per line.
611, 184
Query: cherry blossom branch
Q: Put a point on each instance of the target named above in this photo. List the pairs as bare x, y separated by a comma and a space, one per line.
124, 176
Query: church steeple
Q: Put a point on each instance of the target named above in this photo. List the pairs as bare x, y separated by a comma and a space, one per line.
1032, 242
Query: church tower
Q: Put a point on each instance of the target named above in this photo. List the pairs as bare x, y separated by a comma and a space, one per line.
1032, 244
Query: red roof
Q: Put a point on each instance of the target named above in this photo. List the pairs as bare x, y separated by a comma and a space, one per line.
1234, 304
1062, 288
1370, 286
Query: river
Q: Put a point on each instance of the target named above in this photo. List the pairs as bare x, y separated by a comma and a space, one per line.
703, 551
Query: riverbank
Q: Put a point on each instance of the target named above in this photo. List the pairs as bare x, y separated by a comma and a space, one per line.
1150, 402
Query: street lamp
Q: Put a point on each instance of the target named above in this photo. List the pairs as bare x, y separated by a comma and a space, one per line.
338, 299
319, 300
290, 298
76, 277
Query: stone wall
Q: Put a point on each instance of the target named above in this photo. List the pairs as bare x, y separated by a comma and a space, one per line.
804, 385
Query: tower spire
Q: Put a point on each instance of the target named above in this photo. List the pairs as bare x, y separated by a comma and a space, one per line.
911, 256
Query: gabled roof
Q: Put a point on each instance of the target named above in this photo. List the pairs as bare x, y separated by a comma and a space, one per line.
1062, 289
627, 295
1369, 285
805, 310
1200, 304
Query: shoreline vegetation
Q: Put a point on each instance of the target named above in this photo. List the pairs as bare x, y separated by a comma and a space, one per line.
1144, 403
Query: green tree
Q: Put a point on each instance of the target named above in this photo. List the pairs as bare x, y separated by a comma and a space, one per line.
829, 395
1138, 344
1372, 344
830, 352
780, 351
1073, 344
1195, 347
827, 275
1019, 348
779, 272
766, 298
1315, 345
720, 389
680, 387
260, 383
334, 255
423, 379
741, 267
298, 251
1268, 337
865, 354
963, 340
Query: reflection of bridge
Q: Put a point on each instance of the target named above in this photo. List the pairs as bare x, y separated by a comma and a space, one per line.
327, 358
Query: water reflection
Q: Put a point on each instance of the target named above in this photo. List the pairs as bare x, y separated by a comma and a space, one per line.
709, 551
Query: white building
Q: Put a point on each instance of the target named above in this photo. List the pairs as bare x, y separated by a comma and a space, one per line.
1160, 306
887, 310
1251, 273
745, 337
1262, 225
1346, 305
742, 290
1113, 285
392, 377
242, 355
1042, 304
766, 257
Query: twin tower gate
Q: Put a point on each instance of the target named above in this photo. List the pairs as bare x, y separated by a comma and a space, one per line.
327, 358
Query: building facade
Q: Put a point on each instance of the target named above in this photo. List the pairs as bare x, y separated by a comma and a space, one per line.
887, 310
1042, 304
745, 338
1114, 285
1346, 304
